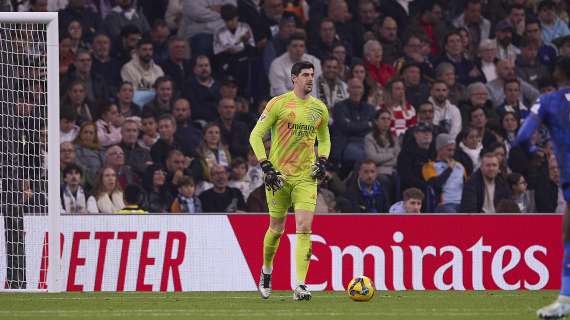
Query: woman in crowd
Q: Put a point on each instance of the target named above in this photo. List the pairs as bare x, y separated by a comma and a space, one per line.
158, 198
127, 108
76, 99
211, 149
88, 150
75, 32
372, 90
107, 196
470, 146
403, 114
381, 146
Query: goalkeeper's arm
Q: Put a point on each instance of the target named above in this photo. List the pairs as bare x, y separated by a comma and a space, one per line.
324, 147
264, 123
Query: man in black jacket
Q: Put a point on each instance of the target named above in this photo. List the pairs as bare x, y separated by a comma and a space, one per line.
364, 191
483, 191
352, 121
413, 157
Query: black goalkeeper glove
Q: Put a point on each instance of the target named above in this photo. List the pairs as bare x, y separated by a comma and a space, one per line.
319, 168
272, 178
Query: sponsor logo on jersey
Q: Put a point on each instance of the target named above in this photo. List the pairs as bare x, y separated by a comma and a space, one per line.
262, 117
301, 130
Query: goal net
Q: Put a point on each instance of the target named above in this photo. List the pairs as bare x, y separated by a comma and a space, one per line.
29, 151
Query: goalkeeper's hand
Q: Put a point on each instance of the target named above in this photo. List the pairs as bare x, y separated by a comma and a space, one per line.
272, 178
319, 168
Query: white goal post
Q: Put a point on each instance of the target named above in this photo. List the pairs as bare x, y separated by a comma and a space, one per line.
29, 165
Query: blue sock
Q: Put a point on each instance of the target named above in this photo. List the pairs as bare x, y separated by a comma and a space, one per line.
565, 290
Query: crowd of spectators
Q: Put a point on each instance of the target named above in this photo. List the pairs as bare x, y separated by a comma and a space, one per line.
425, 100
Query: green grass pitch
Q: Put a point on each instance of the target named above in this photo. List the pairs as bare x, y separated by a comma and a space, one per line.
490, 305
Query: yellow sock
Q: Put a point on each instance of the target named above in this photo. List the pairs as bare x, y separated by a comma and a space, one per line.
303, 255
270, 245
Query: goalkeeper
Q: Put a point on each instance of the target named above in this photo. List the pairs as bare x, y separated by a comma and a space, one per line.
296, 120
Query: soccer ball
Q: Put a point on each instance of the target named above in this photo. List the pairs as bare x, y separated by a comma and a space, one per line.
361, 288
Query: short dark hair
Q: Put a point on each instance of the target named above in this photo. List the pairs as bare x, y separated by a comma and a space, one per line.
454, 32
228, 12
511, 81
473, 109
144, 41
72, 167
147, 113
544, 82
468, 2
366, 161
495, 145
68, 114
238, 162
532, 20
325, 20
526, 42
562, 70
159, 23
513, 178
413, 193
328, 58
438, 81
168, 116
198, 57
185, 181
546, 4
409, 65
297, 67
487, 153
132, 194
425, 103
160, 80
129, 29
507, 206
515, 7
296, 36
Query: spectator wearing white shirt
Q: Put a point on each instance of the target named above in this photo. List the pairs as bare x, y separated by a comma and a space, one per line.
446, 114
234, 36
233, 45
201, 19
488, 57
280, 70
68, 129
141, 71
505, 48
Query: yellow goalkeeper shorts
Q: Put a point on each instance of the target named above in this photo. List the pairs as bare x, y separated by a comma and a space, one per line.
302, 194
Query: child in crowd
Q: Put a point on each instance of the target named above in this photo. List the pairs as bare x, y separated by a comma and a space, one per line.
412, 203
186, 201
149, 128
68, 129
239, 178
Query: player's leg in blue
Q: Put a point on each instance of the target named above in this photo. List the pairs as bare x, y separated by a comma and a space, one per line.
303, 252
561, 307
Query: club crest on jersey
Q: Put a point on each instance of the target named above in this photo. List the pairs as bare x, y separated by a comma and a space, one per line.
313, 116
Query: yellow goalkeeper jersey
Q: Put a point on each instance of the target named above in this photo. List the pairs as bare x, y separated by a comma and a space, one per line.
295, 126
